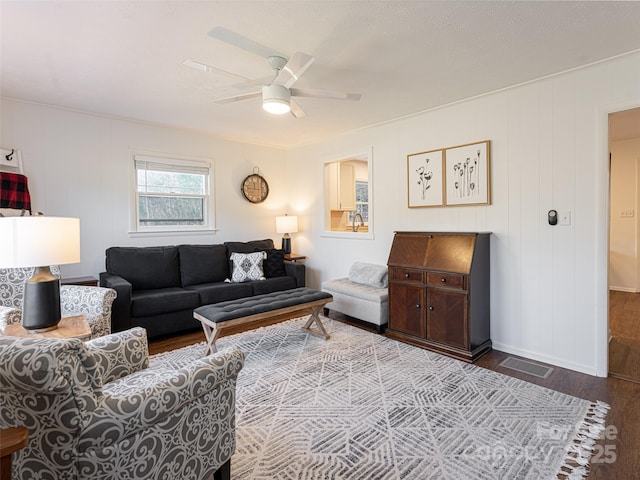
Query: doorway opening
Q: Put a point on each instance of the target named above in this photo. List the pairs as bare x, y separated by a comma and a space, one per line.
624, 245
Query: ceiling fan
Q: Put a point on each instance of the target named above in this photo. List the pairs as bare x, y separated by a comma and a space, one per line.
276, 95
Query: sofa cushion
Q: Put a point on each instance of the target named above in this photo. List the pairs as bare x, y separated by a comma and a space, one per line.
345, 286
248, 247
247, 266
145, 268
275, 284
162, 300
203, 264
221, 292
369, 274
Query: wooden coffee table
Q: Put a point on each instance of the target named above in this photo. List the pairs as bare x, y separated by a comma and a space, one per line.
76, 326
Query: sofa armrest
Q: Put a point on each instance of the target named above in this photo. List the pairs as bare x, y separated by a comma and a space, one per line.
297, 271
93, 302
120, 354
121, 311
9, 316
149, 398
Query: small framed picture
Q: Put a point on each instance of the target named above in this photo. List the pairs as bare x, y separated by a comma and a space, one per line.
467, 173
425, 179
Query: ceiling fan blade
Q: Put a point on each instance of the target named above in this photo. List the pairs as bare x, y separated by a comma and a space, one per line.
203, 67
296, 111
237, 98
237, 40
314, 93
295, 67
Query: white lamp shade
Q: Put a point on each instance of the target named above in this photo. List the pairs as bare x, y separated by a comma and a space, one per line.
275, 99
287, 224
39, 241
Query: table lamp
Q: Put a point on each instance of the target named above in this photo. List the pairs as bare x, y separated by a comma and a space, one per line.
286, 224
40, 242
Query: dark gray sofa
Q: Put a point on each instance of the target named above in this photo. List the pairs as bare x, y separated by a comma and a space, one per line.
159, 287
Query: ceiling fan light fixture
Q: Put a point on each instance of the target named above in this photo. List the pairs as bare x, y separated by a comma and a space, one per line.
276, 99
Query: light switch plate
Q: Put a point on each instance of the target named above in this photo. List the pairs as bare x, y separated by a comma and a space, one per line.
564, 217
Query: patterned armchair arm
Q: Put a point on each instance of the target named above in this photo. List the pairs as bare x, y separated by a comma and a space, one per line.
120, 354
94, 302
148, 397
121, 318
9, 316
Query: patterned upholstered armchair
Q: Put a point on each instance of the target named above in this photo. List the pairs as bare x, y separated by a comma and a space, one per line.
94, 302
104, 409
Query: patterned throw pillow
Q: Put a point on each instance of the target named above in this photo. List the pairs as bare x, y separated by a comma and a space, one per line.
247, 266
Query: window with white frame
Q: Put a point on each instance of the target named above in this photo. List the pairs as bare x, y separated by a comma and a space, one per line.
172, 194
362, 202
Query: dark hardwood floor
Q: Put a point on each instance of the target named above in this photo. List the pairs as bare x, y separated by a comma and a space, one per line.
624, 340
617, 456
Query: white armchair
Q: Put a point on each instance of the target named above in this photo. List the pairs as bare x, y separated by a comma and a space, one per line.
93, 302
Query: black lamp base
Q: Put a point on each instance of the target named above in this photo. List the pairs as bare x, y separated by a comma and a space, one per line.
286, 243
41, 307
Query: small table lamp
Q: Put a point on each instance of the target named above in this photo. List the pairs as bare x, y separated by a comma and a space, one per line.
40, 242
286, 224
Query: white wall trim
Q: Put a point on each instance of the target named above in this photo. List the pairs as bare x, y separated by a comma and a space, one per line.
348, 235
475, 97
622, 289
358, 153
550, 359
636, 224
148, 123
602, 220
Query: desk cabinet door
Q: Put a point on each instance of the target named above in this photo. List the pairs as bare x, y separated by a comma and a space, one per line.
406, 309
447, 318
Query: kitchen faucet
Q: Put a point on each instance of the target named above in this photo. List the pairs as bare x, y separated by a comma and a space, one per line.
355, 227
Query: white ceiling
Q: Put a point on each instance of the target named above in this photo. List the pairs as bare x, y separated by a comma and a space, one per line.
124, 58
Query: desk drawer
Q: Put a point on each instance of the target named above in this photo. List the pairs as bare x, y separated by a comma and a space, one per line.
451, 280
406, 275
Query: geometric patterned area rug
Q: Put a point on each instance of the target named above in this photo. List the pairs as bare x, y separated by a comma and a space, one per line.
363, 406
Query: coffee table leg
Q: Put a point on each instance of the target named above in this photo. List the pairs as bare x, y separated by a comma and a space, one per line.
211, 335
315, 318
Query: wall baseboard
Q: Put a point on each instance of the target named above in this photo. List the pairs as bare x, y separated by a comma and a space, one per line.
558, 362
623, 289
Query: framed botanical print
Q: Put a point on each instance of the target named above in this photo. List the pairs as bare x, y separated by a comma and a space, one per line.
425, 179
467, 174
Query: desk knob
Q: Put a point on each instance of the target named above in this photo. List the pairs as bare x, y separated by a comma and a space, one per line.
443, 280
430, 308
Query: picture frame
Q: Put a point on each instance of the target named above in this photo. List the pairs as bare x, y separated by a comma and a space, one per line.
425, 179
467, 174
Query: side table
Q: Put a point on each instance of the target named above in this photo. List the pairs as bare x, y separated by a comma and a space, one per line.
294, 257
84, 281
11, 440
76, 326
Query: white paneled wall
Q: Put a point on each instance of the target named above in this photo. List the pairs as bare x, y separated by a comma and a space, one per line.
80, 165
549, 151
548, 142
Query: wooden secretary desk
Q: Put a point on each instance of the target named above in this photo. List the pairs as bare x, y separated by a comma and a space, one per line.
439, 292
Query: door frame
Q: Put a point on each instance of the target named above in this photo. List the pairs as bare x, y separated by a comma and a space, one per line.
603, 178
